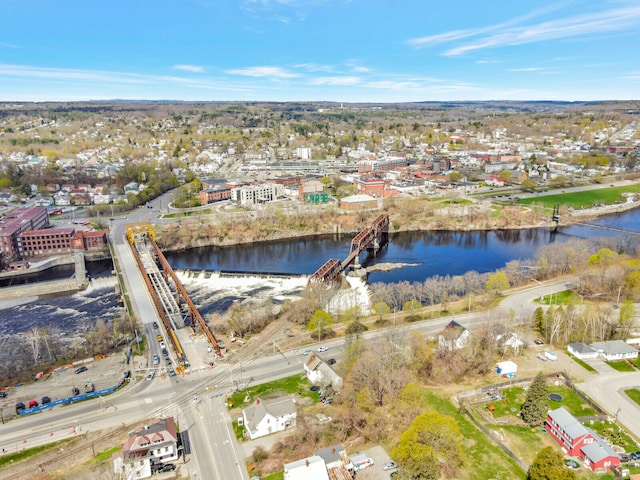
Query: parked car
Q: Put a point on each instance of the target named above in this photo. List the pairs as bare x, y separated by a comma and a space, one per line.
168, 467
75, 390
156, 359
155, 324
323, 349
389, 465
45, 400
306, 352
20, 406
81, 369
163, 345
165, 352
3, 393
172, 372
150, 375
159, 338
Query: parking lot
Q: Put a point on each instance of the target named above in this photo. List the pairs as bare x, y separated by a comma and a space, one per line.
375, 472
62, 382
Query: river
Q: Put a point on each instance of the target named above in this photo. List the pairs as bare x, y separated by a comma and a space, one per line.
428, 253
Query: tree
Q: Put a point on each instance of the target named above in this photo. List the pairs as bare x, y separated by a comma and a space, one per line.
381, 309
430, 446
320, 324
534, 408
497, 283
549, 465
455, 176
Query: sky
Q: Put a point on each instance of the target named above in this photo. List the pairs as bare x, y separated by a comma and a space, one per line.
319, 50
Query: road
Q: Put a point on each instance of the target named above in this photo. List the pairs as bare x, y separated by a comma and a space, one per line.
197, 400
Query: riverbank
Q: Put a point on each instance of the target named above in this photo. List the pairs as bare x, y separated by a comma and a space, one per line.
406, 215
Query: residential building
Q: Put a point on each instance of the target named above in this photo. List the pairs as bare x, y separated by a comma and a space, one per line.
582, 350
215, 194
266, 417
577, 440
320, 373
453, 337
254, 194
337, 461
615, 350
310, 468
153, 445
19, 221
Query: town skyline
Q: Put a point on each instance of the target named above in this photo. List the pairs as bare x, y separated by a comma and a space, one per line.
343, 51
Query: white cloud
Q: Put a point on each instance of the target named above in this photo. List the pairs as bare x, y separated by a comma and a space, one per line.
527, 69
189, 68
336, 81
314, 67
576, 26
265, 71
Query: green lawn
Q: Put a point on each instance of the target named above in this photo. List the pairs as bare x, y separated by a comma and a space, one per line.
295, 384
582, 363
483, 459
621, 366
566, 297
31, 452
514, 397
634, 394
587, 199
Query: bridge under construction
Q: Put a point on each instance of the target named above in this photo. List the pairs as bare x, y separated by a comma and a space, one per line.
371, 239
170, 298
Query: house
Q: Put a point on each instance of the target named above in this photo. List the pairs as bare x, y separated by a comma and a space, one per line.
263, 418
494, 182
582, 350
453, 337
320, 373
577, 440
337, 461
615, 350
144, 450
310, 468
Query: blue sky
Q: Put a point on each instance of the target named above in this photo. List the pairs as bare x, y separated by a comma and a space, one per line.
319, 50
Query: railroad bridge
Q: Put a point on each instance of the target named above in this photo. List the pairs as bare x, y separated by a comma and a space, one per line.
371, 239
171, 301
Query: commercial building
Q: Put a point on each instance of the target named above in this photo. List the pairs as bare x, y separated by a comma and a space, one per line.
255, 194
17, 222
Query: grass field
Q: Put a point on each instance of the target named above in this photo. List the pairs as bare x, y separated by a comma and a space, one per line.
634, 394
483, 459
586, 199
621, 366
294, 384
514, 397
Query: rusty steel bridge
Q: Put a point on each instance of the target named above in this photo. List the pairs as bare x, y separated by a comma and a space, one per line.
371, 238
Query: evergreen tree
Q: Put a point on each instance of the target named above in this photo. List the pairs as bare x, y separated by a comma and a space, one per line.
534, 408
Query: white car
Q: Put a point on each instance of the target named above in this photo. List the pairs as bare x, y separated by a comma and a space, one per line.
323, 349
150, 375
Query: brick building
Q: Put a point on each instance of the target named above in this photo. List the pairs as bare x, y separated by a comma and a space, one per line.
17, 222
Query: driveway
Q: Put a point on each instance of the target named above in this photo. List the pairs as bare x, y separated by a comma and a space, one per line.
375, 472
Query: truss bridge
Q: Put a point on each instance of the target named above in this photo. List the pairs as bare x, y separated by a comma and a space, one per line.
371, 239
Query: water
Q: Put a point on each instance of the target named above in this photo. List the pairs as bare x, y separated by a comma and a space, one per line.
433, 253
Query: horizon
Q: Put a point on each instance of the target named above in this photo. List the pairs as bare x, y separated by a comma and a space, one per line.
314, 51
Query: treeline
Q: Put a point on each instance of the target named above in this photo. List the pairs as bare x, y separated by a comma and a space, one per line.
43, 348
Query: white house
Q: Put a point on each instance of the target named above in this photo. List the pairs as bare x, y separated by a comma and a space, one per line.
320, 373
310, 468
153, 445
263, 418
582, 350
453, 337
615, 350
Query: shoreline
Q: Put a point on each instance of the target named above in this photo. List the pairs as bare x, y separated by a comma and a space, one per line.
576, 216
